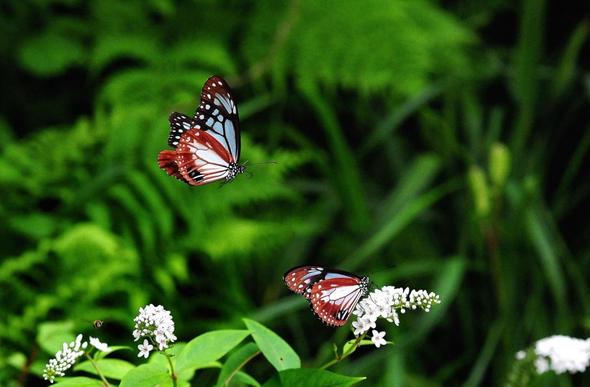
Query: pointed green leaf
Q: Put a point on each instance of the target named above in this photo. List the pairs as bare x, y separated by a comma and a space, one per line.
235, 362
78, 382
275, 349
310, 377
246, 379
111, 368
208, 347
147, 375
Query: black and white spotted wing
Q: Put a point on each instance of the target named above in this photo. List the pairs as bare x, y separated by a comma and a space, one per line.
218, 114
179, 123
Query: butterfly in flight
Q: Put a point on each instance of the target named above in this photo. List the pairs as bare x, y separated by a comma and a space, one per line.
206, 146
332, 294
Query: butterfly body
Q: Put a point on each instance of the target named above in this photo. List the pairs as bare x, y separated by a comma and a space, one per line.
207, 146
332, 294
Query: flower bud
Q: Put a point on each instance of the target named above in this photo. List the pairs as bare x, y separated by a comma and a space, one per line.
499, 164
480, 191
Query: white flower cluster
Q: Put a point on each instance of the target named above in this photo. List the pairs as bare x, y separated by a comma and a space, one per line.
64, 359
562, 354
385, 303
155, 323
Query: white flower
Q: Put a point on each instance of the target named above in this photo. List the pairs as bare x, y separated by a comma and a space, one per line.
378, 338
359, 327
386, 302
562, 354
64, 359
156, 323
98, 345
520, 355
144, 350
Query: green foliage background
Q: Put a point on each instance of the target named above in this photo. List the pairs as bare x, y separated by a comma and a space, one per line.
425, 144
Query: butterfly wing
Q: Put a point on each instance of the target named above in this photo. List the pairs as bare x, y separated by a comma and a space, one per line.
218, 114
332, 294
207, 144
179, 123
200, 158
300, 279
334, 298
167, 160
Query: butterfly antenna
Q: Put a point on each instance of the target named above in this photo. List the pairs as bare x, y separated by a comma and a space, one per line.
262, 163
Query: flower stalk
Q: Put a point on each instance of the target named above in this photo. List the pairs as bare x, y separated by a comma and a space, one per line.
98, 372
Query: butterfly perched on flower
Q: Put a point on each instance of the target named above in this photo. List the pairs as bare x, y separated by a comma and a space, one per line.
332, 294
207, 145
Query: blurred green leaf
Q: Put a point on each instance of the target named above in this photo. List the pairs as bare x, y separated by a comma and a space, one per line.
566, 70
421, 40
110, 48
51, 54
392, 226
543, 242
526, 58
52, 335
481, 365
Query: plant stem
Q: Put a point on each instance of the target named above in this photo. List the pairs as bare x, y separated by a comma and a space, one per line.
172, 374
104, 381
344, 355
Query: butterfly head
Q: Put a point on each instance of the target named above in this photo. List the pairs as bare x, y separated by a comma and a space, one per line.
365, 284
234, 170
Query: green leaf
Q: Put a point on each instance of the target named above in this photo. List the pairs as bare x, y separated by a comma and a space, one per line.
52, 335
526, 78
393, 226
50, 54
115, 348
539, 230
79, 381
447, 285
421, 39
274, 381
111, 368
244, 378
147, 375
208, 347
350, 343
173, 352
310, 377
275, 349
235, 362
110, 48
566, 71
349, 182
